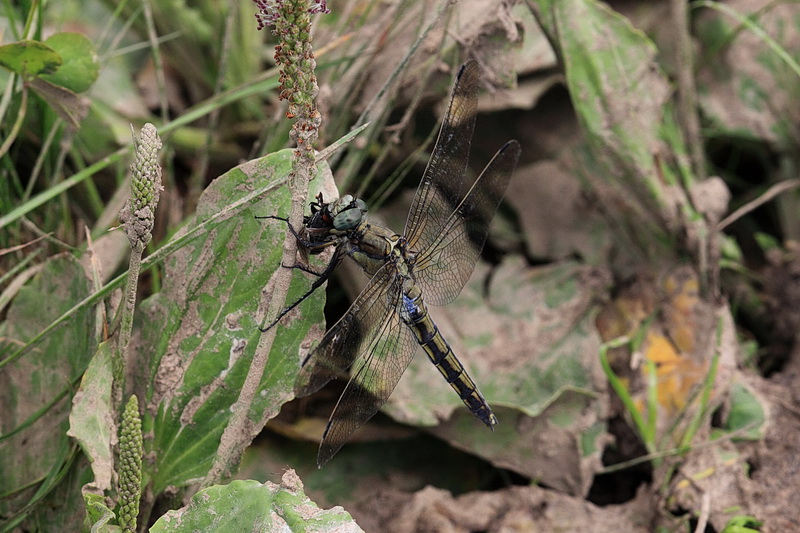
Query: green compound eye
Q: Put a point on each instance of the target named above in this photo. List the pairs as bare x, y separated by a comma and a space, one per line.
342, 203
348, 212
348, 219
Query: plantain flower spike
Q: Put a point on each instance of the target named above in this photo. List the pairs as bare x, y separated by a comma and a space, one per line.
130, 465
291, 23
138, 215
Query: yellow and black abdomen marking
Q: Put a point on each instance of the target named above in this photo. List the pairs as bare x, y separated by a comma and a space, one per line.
416, 317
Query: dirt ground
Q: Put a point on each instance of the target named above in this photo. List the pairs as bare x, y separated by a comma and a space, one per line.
767, 492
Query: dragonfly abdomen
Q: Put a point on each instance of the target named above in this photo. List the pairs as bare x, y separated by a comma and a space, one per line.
440, 353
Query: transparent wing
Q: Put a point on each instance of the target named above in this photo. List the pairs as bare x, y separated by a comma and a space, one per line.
352, 334
444, 267
377, 372
372, 338
441, 187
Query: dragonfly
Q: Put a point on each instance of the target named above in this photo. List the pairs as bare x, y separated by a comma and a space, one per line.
428, 264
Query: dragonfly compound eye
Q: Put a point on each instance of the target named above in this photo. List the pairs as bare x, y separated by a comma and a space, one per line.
348, 219
348, 212
342, 203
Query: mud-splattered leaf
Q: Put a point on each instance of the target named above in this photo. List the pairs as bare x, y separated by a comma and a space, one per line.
198, 336
716, 474
252, 506
489, 31
532, 350
554, 216
745, 87
635, 157
91, 420
34, 389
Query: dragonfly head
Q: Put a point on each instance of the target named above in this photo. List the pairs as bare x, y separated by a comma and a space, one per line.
348, 212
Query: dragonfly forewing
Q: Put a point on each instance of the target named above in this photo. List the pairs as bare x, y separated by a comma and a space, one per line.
443, 269
442, 184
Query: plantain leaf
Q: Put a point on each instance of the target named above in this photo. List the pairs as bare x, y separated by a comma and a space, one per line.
635, 156
250, 506
91, 420
35, 388
198, 336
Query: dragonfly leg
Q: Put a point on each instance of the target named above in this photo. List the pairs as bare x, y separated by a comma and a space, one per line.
282, 219
300, 239
305, 268
323, 277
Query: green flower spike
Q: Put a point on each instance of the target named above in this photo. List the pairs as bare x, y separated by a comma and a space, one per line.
130, 465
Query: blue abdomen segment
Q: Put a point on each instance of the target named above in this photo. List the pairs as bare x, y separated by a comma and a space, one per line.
416, 317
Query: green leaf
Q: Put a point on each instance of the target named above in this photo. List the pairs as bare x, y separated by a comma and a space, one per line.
743, 524
79, 65
29, 58
746, 417
198, 336
98, 516
250, 506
